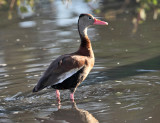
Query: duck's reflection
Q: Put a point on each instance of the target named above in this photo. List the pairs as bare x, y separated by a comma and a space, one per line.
71, 115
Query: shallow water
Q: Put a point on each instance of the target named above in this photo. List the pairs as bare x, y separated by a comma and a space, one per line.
122, 87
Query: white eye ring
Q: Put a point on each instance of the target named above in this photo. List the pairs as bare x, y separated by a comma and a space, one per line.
89, 18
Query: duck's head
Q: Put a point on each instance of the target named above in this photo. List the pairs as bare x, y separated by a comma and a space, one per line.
86, 20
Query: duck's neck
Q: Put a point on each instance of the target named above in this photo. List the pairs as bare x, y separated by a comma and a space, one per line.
85, 46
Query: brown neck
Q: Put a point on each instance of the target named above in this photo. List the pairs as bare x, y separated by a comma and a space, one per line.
85, 46
85, 42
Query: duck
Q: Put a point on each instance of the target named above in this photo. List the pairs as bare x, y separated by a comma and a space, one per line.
68, 71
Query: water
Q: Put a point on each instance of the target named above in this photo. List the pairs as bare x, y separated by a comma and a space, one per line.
122, 87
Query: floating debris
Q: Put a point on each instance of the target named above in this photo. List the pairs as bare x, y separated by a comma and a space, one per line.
36, 75
17, 39
3, 65
150, 117
118, 93
15, 112
118, 81
42, 120
118, 103
6, 75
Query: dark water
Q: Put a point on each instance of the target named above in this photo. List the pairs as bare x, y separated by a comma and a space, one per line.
122, 87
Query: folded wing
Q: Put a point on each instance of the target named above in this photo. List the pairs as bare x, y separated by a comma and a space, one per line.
59, 70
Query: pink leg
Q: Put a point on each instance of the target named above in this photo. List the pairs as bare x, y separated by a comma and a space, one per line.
58, 96
72, 97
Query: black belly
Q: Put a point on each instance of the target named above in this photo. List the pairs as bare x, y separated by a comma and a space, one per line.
71, 82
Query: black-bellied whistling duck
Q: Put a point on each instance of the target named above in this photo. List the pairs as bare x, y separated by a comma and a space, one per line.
69, 70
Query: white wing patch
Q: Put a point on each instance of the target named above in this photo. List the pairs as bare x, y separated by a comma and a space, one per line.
66, 75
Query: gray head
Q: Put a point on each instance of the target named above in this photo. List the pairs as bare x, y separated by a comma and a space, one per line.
86, 20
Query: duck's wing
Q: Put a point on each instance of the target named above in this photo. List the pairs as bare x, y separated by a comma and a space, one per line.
59, 70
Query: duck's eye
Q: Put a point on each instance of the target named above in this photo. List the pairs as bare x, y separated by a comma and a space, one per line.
89, 18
